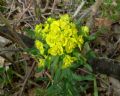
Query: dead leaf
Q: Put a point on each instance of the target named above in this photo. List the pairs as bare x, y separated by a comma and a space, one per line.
115, 85
31, 92
103, 22
39, 74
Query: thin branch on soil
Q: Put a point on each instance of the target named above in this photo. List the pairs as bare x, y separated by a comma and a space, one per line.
26, 79
79, 8
53, 6
12, 32
30, 81
46, 6
29, 5
94, 10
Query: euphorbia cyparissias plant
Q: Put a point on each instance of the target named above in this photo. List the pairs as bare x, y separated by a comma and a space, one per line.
58, 37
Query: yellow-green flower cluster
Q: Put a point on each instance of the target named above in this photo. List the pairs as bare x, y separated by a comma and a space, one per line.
60, 35
39, 46
85, 30
41, 63
67, 61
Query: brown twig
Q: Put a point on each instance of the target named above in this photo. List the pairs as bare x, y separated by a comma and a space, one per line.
26, 79
12, 32
9, 50
11, 8
5, 32
29, 5
7, 36
94, 9
22, 77
53, 6
37, 10
46, 6
49, 76
79, 8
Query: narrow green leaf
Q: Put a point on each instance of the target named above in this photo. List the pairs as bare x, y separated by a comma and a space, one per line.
95, 88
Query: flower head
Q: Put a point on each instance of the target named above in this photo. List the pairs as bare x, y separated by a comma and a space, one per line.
80, 41
85, 30
41, 63
67, 61
39, 46
38, 29
56, 50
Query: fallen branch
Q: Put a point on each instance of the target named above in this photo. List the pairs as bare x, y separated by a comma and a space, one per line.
5, 32
12, 31
79, 8
106, 66
30, 81
26, 79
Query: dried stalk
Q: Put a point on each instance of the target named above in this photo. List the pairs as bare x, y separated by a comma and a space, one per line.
12, 32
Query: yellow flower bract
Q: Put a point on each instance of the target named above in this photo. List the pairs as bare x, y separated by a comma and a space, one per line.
67, 61
41, 63
85, 30
56, 50
61, 35
39, 46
